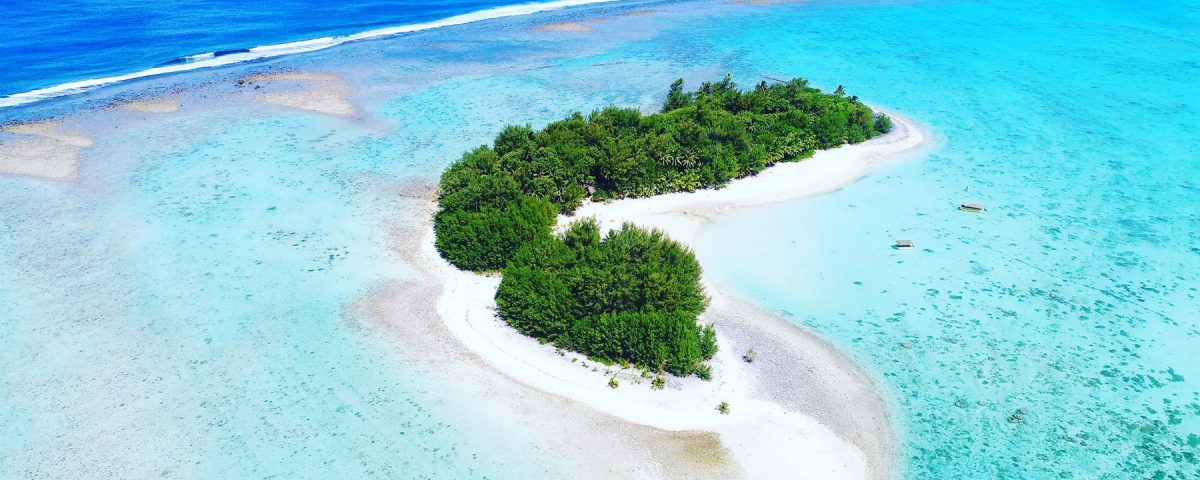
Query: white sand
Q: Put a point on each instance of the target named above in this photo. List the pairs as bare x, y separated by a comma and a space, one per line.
313, 91
681, 214
767, 439
45, 149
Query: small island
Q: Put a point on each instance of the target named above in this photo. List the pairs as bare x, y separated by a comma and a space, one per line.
632, 295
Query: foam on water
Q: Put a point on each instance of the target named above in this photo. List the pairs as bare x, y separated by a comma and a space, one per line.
216, 59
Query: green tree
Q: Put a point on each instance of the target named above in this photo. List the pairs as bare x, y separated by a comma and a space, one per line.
883, 123
676, 98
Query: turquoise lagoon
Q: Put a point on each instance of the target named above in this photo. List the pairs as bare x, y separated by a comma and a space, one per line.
180, 309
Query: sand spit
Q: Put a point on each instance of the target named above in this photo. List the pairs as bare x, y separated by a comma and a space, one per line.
319, 92
152, 105
803, 410
51, 129
603, 447
53, 151
802, 373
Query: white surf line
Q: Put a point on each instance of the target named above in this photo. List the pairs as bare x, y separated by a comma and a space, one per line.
212, 59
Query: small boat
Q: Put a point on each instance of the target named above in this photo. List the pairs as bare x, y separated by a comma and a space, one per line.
972, 207
903, 245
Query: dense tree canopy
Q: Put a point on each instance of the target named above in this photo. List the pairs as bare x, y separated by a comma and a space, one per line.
633, 295
701, 139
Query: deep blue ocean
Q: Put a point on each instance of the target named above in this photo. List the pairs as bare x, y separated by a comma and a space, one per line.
52, 43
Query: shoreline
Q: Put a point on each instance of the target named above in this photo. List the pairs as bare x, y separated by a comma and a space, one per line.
403, 315
780, 424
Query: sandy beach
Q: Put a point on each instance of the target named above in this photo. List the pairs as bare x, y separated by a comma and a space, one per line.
800, 410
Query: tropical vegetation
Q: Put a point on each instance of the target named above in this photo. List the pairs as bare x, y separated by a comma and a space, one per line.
631, 295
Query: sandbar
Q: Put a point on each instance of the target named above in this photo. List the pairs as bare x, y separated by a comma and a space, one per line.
319, 92
43, 149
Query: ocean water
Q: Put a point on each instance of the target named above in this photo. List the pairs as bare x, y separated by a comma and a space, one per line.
179, 309
55, 48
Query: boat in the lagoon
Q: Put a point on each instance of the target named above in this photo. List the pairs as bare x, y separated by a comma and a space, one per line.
972, 207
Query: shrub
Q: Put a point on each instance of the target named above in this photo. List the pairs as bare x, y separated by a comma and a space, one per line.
646, 286
535, 302
883, 123
708, 342
486, 239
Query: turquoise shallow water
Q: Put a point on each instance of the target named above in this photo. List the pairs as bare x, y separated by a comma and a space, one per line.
1074, 299
184, 317
180, 308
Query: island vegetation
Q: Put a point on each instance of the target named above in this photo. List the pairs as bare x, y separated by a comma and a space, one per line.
631, 295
